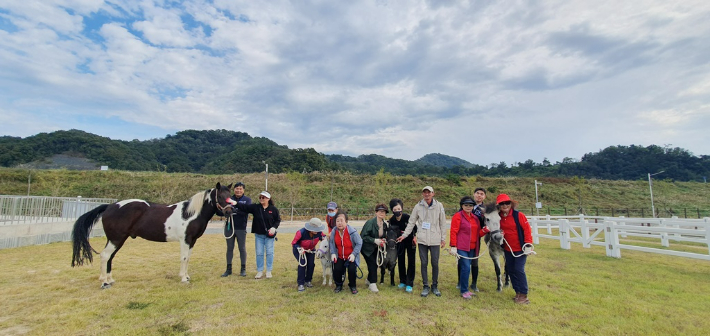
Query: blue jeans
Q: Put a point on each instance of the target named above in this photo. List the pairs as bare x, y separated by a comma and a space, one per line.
264, 244
465, 267
515, 267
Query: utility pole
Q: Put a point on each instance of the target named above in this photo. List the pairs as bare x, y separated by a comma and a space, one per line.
266, 176
650, 187
538, 205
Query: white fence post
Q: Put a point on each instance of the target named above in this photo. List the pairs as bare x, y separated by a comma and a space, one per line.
564, 234
707, 231
664, 235
611, 239
585, 231
621, 222
549, 226
536, 238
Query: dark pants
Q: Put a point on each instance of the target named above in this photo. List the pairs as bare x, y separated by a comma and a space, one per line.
241, 237
424, 251
339, 270
515, 267
406, 271
371, 267
305, 273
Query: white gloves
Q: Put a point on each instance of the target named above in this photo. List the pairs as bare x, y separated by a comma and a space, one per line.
453, 251
379, 242
334, 257
351, 257
528, 249
300, 250
272, 231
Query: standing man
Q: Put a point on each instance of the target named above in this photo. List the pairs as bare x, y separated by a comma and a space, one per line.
236, 229
429, 218
330, 217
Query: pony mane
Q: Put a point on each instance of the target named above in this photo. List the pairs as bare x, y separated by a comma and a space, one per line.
195, 202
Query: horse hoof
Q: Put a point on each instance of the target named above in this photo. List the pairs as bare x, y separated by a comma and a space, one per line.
106, 286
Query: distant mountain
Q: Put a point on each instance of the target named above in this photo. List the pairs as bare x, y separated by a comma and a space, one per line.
227, 152
442, 160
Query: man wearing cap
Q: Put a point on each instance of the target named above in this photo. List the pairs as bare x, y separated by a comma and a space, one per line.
304, 244
236, 229
429, 218
332, 208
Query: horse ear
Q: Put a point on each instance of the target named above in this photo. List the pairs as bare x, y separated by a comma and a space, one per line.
218, 186
229, 187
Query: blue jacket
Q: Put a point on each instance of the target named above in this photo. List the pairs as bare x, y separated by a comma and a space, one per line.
354, 238
239, 218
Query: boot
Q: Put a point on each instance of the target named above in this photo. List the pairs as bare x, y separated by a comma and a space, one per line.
517, 295
522, 299
243, 271
228, 272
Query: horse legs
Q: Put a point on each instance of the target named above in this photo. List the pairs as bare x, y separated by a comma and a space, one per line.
392, 267
185, 251
382, 272
106, 259
507, 277
496, 263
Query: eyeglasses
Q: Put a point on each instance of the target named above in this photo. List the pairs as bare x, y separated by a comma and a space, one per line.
504, 203
263, 197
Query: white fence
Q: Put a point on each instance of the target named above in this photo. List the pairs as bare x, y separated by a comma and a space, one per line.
44, 209
610, 232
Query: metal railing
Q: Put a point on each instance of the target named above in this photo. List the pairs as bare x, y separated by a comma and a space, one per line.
45, 209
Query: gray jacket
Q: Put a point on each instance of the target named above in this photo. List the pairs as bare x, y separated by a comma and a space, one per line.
354, 238
435, 216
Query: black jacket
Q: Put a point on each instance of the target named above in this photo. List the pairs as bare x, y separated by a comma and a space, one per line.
264, 219
402, 225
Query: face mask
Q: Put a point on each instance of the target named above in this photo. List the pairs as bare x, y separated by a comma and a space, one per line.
331, 213
397, 213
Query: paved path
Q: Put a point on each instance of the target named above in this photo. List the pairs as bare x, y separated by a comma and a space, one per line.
215, 227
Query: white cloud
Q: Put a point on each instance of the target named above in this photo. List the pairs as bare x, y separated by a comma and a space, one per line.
553, 79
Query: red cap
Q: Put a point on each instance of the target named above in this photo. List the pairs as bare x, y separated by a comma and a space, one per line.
502, 198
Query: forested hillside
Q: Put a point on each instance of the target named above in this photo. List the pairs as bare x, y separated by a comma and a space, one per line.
226, 152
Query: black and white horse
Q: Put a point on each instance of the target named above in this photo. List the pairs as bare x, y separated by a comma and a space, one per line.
184, 222
494, 240
390, 260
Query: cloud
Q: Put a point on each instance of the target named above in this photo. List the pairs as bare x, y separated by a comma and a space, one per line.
548, 79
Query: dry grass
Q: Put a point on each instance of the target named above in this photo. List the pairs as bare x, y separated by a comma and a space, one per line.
572, 292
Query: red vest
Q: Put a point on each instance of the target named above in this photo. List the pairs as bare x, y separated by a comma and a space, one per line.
344, 244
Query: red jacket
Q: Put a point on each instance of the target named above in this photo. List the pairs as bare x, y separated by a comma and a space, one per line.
510, 231
465, 228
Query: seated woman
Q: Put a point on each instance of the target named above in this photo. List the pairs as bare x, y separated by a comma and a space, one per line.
345, 245
305, 241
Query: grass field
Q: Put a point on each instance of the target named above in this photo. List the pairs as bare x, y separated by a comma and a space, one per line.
580, 291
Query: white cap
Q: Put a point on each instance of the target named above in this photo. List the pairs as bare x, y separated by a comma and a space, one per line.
265, 194
428, 188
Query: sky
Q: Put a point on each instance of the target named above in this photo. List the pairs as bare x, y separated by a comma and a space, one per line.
485, 81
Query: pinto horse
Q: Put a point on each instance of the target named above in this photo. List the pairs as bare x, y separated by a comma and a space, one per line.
494, 240
184, 222
390, 260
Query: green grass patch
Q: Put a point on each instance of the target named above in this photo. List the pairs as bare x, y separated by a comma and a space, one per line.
573, 292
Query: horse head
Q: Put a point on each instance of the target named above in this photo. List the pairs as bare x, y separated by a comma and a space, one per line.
392, 233
323, 249
221, 198
492, 219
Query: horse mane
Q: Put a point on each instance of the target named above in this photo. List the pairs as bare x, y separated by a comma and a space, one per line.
490, 207
195, 203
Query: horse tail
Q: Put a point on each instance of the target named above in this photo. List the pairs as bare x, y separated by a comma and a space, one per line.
80, 236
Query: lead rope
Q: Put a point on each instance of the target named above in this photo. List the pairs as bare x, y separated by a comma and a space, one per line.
226, 227
302, 256
458, 256
381, 255
532, 251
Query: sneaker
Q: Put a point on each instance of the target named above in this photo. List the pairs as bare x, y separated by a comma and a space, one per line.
338, 289
353, 290
308, 284
475, 289
408, 289
259, 275
435, 290
268, 275
373, 288
301, 288
458, 286
425, 291
401, 285
467, 295
367, 282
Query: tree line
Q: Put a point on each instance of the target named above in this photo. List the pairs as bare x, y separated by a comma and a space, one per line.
226, 152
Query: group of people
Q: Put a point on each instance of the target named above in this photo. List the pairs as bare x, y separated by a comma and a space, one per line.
424, 228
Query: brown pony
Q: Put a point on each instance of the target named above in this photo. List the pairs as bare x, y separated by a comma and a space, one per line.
184, 222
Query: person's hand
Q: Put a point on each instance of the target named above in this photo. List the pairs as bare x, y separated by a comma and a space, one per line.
401, 238
527, 249
272, 231
351, 257
414, 241
443, 244
300, 250
334, 257
486, 229
453, 251
379, 242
